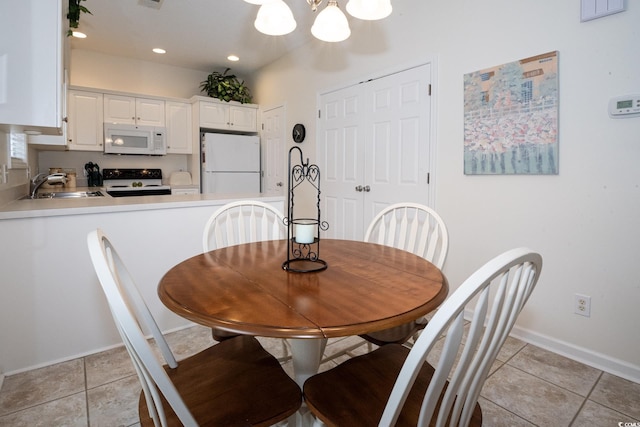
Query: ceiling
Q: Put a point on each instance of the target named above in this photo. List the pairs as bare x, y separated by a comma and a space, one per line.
197, 34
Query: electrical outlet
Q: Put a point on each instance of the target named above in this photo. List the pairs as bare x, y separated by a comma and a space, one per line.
582, 305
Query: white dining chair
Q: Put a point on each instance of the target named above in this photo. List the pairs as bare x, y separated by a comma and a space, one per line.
235, 382
244, 221
415, 228
240, 222
396, 386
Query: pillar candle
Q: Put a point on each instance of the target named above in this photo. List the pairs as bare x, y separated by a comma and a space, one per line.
304, 233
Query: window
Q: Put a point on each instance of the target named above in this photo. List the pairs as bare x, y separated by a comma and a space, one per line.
17, 151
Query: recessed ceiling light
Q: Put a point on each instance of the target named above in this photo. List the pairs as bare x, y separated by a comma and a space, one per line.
160, 51
233, 58
79, 35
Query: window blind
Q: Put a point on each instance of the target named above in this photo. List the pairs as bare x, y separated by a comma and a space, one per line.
18, 151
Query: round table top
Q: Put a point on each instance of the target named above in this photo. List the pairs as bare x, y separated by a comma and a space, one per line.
243, 289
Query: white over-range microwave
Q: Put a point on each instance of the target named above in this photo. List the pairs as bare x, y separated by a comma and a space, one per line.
132, 139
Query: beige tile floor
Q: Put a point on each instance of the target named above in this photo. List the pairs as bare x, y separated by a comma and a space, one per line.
527, 387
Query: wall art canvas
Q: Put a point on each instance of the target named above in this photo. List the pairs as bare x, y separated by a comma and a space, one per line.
511, 118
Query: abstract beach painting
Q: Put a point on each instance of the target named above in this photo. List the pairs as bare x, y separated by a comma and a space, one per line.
511, 118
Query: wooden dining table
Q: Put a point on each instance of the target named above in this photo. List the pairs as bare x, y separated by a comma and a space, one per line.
244, 289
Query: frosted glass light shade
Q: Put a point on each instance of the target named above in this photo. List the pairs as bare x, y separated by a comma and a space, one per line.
369, 10
331, 24
275, 18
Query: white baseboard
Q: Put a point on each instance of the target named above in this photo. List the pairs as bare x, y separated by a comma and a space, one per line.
79, 355
596, 360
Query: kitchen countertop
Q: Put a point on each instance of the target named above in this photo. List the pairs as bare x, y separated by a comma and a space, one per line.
90, 205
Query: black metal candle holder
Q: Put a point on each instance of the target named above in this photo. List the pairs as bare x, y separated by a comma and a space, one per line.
303, 234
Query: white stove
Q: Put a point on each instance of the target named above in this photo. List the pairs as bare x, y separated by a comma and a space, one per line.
134, 182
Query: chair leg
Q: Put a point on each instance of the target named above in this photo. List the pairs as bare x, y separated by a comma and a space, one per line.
344, 351
285, 351
318, 423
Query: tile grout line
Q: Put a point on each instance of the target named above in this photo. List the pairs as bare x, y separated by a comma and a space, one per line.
586, 398
495, 403
86, 392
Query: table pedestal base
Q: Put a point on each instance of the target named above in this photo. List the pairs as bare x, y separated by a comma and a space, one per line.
306, 354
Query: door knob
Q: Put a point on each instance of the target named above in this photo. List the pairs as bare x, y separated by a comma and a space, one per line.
359, 188
366, 188
279, 184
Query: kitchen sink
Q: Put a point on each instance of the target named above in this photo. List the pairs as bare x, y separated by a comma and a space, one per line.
66, 195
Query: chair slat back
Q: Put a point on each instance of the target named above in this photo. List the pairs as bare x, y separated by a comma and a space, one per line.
242, 222
411, 227
131, 314
495, 294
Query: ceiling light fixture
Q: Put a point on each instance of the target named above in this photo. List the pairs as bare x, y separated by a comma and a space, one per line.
159, 51
276, 19
79, 35
331, 24
233, 58
369, 10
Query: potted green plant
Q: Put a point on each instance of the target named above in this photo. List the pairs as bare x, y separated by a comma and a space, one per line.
226, 87
74, 14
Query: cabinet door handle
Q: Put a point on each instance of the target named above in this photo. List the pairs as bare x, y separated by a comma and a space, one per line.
279, 184
359, 188
366, 188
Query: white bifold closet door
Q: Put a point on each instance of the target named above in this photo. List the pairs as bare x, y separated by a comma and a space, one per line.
373, 149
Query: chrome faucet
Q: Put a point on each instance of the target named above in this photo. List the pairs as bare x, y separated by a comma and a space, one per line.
41, 178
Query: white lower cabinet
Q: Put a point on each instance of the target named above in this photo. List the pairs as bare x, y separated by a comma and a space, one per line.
183, 191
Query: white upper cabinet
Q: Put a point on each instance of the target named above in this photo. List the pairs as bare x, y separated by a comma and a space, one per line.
31, 70
243, 118
214, 114
85, 127
179, 130
134, 111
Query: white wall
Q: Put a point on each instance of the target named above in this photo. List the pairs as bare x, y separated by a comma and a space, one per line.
583, 220
96, 70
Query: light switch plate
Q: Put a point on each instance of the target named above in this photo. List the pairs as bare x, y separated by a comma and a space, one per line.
592, 9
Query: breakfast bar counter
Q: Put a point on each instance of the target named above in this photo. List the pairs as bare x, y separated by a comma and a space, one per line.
91, 205
50, 288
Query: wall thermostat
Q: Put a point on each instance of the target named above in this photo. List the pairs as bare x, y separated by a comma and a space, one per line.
624, 106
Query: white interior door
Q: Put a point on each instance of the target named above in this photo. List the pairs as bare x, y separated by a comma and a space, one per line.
274, 160
341, 149
398, 138
373, 148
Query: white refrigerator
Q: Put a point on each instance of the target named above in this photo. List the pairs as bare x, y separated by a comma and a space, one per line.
230, 163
